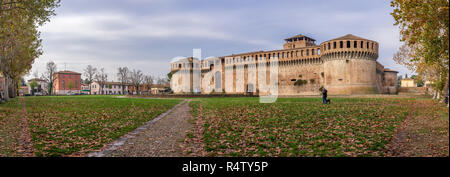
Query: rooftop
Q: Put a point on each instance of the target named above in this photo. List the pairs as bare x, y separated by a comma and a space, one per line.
299, 36
37, 79
389, 70
349, 37
67, 72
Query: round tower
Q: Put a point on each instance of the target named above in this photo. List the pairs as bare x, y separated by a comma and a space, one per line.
349, 65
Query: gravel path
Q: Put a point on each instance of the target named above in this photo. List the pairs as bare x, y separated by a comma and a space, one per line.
160, 139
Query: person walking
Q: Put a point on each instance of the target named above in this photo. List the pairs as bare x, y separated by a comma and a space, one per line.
324, 95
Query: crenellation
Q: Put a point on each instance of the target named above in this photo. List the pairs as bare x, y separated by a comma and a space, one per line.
345, 65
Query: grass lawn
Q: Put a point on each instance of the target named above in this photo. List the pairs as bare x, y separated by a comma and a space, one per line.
64, 125
301, 126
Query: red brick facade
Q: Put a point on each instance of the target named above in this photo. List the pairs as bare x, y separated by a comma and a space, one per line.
62, 80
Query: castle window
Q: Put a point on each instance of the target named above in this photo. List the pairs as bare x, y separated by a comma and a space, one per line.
372, 45
293, 46
367, 45
301, 53
312, 52
307, 52
355, 44
362, 44
293, 80
334, 45
329, 46
348, 44
341, 44
318, 51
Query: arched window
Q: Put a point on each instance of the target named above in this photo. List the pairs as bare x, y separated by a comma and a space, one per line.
367, 45
334, 45
348, 44
312, 51
355, 44
329, 46
372, 45
341, 44
362, 44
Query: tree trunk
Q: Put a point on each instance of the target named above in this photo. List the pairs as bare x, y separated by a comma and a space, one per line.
444, 91
6, 87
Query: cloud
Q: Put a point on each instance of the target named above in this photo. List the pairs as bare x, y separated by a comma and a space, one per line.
147, 35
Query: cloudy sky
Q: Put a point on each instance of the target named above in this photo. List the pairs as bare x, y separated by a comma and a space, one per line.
147, 34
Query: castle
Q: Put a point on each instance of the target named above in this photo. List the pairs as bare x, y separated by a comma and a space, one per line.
344, 66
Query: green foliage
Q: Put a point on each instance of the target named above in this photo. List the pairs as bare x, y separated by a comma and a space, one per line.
20, 41
169, 76
312, 81
418, 80
424, 27
70, 85
33, 84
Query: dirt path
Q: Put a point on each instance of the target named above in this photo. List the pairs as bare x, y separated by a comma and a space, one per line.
161, 138
424, 133
26, 148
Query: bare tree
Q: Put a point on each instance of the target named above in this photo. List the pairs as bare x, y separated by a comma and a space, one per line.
101, 78
122, 74
90, 73
136, 78
49, 76
162, 81
148, 81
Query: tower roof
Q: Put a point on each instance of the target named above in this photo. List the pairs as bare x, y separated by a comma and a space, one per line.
299, 36
349, 37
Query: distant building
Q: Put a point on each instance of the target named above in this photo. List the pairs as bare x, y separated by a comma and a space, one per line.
407, 82
41, 88
344, 66
85, 89
159, 89
110, 88
24, 90
67, 82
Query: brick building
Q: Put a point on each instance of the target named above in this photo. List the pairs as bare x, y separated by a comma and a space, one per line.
345, 65
67, 82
